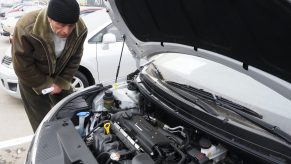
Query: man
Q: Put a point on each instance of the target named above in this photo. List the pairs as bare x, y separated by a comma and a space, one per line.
47, 48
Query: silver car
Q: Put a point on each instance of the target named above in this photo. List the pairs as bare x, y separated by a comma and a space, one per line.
216, 89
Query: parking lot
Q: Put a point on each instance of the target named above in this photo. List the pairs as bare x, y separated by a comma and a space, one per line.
15, 131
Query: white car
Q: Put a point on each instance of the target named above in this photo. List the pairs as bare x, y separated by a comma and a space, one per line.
99, 62
217, 90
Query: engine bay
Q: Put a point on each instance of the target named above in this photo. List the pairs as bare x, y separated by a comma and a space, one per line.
124, 127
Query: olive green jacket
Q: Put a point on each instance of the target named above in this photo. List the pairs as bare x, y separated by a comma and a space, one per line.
34, 58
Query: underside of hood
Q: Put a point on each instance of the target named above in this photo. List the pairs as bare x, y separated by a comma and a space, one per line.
254, 32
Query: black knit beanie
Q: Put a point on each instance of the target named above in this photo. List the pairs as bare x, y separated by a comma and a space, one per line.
64, 11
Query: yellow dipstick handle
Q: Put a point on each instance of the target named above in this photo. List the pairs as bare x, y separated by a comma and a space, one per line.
107, 128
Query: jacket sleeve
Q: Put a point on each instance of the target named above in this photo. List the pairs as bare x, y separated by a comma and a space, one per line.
24, 63
65, 77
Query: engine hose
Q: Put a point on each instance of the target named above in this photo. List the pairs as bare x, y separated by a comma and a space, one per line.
108, 161
98, 125
104, 155
186, 142
159, 160
183, 157
158, 151
127, 154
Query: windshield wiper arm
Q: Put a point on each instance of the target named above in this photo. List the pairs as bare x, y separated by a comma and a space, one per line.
195, 100
187, 92
157, 72
221, 100
198, 92
216, 99
264, 125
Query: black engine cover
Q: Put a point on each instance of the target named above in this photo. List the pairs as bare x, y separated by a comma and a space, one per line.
146, 135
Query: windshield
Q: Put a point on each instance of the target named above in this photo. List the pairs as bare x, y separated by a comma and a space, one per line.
227, 83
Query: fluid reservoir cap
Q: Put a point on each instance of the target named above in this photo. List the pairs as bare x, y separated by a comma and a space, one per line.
83, 113
204, 143
108, 95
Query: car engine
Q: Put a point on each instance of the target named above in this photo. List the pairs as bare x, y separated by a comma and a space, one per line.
123, 127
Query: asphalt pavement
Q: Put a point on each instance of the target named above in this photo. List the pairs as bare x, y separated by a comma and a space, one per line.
15, 130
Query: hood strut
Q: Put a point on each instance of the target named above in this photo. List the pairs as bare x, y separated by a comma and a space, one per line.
118, 67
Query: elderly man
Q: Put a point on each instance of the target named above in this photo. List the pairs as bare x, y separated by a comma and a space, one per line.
47, 48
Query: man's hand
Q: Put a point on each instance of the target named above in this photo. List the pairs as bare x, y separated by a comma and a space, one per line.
56, 90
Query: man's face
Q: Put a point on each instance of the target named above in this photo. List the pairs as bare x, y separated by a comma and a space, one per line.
61, 29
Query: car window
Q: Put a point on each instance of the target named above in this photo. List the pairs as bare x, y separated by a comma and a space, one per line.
97, 38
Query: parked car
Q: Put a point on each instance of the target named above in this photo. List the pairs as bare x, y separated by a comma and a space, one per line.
216, 90
8, 24
99, 62
11, 19
15, 8
2, 11
84, 10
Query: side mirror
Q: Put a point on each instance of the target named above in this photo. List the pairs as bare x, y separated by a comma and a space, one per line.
108, 38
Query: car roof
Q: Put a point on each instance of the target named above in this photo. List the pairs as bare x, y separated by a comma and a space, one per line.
96, 19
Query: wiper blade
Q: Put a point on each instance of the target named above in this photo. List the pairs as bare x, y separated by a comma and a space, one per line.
189, 92
221, 100
157, 72
216, 99
191, 89
195, 100
264, 125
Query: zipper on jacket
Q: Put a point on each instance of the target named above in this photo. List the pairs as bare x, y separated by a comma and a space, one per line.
60, 70
50, 71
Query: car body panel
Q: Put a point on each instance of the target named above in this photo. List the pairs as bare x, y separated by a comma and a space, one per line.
7, 74
208, 78
9, 81
249, 60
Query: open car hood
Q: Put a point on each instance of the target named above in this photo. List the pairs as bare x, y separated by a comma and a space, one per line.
251, 36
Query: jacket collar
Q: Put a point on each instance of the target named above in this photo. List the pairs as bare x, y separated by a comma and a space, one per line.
43, 30
41, 27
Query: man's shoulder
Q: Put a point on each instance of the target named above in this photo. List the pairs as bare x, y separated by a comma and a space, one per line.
81, 27
28, 18
81, 24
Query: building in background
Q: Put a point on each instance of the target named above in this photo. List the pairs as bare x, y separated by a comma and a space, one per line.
97, 3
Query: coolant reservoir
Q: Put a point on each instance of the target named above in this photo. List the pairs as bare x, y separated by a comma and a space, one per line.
216, 153
98, 103
209, 152
206, 147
